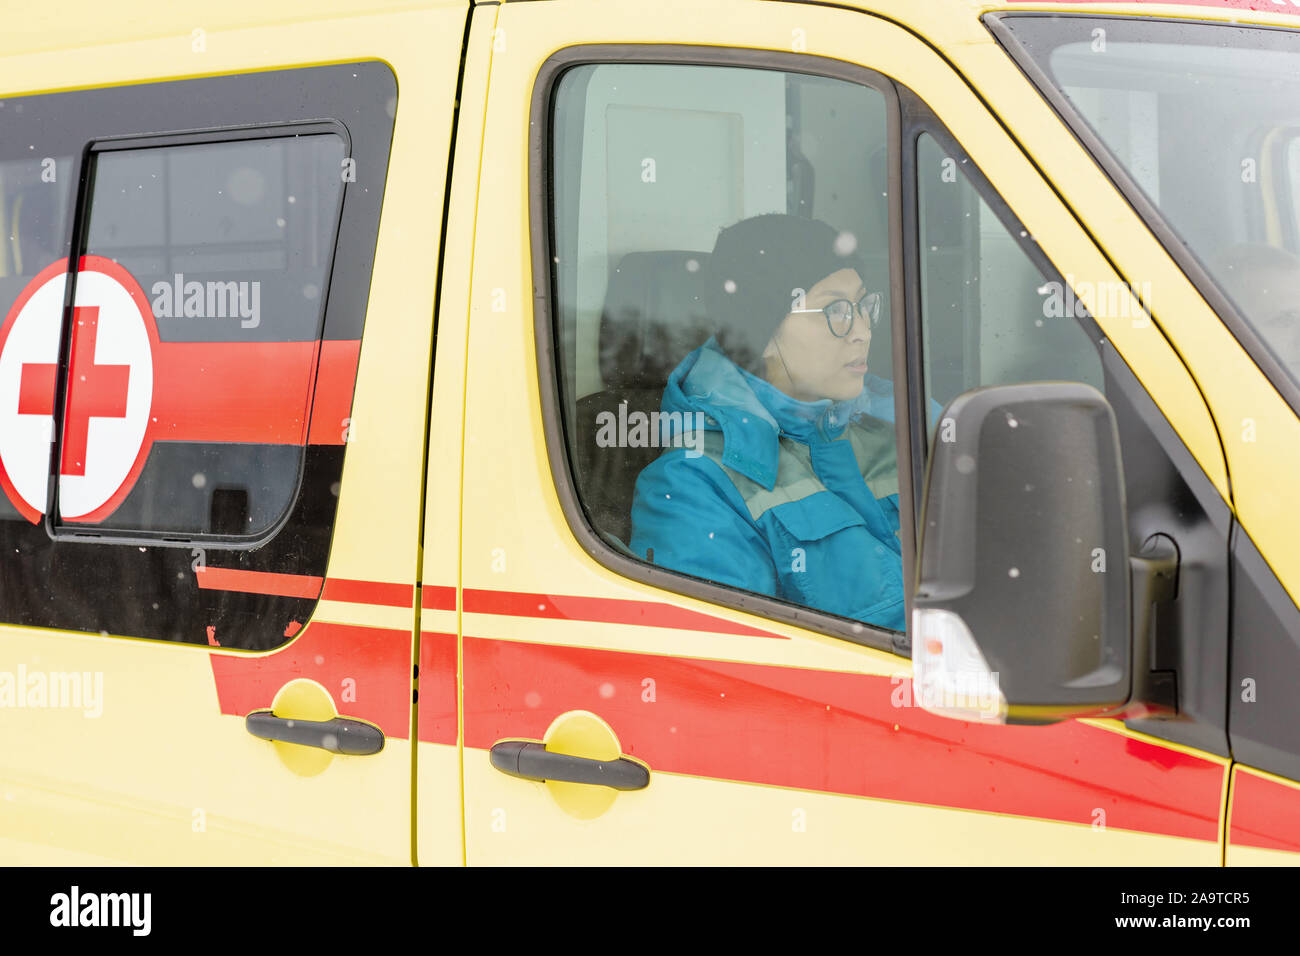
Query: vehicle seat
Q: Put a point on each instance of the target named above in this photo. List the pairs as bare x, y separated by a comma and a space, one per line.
653, 317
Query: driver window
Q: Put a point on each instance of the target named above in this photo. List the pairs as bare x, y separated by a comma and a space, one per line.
721, 283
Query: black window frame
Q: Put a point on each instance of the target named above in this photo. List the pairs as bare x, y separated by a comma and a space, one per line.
547, 328
56, 528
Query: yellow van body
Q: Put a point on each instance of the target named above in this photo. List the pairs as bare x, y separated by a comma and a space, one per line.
459, 608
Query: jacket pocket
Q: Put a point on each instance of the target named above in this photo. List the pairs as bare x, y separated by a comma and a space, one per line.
817, 516
827, 558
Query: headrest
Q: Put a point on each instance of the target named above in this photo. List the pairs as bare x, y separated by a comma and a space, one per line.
653, 317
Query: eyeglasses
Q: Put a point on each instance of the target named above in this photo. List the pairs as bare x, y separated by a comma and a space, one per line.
839, 314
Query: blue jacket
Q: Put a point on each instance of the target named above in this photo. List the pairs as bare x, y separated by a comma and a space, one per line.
793, 499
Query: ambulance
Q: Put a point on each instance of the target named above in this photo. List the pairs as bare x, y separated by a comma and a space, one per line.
331, 343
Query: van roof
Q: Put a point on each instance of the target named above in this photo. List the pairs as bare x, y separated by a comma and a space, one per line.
82, 23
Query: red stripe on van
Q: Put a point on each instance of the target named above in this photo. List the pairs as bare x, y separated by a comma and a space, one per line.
836, 733
602, 610
437, 701
437, 598
368, 592
1264, 813
258, 582
345, 590
332, 400
367, 670
253, 392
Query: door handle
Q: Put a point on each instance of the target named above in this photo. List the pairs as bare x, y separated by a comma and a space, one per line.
532, 761
341, 735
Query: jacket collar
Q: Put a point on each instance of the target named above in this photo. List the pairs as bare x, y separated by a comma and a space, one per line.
751, 413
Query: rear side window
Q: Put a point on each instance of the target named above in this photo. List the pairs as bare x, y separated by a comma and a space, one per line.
231, 242
183, 291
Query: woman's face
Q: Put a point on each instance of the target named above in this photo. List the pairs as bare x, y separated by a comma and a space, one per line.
806, 360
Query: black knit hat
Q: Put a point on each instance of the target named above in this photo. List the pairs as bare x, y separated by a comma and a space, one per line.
756, 264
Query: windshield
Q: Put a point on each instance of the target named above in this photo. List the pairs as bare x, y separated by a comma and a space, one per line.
1205, 120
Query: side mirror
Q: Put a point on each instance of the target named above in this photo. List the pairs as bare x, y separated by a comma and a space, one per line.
1022, 606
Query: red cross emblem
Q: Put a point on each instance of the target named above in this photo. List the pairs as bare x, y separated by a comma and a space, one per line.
109, 396
126, 390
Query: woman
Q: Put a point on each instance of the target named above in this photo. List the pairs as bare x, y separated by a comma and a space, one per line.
795, 494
